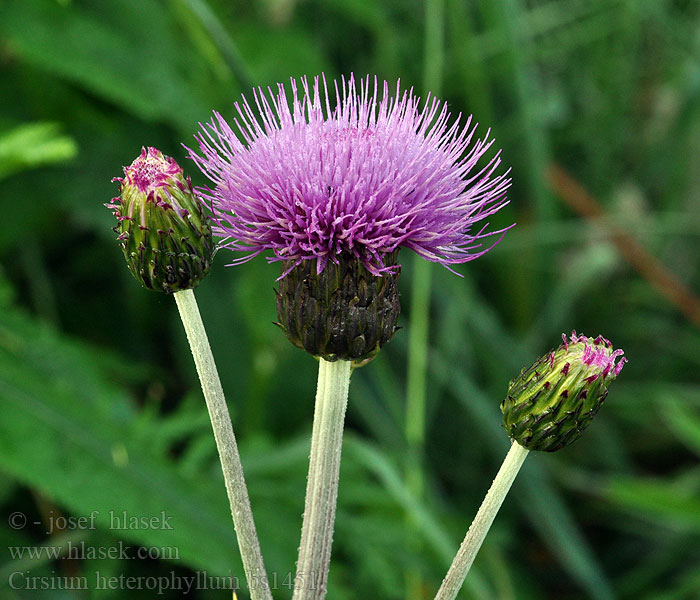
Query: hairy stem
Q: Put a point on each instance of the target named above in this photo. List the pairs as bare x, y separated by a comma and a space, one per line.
482, 523
322, 486
226, 444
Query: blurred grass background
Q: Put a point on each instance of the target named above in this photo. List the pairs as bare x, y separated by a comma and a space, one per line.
596, 105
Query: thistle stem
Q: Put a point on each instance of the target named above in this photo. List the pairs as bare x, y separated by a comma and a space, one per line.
416, 394
322, 485
226, 444
482, 523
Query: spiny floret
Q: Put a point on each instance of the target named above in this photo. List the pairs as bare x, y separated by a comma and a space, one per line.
374, 172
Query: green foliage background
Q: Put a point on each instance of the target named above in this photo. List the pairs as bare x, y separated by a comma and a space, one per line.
100, 408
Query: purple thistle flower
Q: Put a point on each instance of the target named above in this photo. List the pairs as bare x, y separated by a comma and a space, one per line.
375, 172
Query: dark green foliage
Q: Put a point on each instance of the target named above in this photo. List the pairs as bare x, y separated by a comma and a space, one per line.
99, 401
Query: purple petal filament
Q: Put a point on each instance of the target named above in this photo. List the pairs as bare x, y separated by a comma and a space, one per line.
597, 353
369, 174
150, 171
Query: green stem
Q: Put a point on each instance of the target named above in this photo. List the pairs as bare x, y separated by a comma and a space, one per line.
416, 405
322, 486
482, 523
226, 444
433, 65
417, 375
418, 358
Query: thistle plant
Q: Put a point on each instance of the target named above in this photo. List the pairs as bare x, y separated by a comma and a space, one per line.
548, 406
168, 247
333, 190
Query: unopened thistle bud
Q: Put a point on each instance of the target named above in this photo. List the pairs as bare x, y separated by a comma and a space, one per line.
343, 313
166, 239
551, 403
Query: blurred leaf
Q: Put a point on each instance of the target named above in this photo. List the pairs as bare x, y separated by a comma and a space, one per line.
209, 33
584, 272
370, 14
655, 500
34, 145
425, 522
67, 431
686, 587
684, 422
276, 55
115, 50
7, 293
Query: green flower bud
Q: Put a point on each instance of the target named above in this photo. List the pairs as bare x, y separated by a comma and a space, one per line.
551, 403
166, 239
342, 313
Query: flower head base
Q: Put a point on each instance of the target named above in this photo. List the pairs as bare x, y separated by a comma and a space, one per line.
166, 239
375, 172
343, 313
551, 403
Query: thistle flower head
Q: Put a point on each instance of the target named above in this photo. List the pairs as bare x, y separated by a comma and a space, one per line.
551, 403
360, 178
335, 189
165, 237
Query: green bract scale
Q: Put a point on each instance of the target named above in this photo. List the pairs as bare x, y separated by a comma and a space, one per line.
166, 239
551, 403
343, 313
